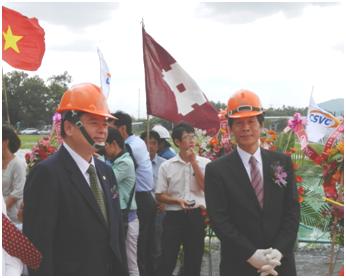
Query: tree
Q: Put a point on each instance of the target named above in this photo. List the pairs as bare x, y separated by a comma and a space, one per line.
30, 101
57, 85
218, 105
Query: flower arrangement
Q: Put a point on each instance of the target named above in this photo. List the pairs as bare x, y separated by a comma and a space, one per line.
46, 145
279, 174
55, 136
268, 139
215, 146
39, 152
204, 213
296, 123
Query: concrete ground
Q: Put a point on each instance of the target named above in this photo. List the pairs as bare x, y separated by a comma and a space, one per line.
311, 260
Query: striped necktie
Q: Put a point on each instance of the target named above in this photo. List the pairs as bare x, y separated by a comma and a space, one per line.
256, 180
97, 191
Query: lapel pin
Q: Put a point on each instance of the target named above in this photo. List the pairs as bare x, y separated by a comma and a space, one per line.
104, 178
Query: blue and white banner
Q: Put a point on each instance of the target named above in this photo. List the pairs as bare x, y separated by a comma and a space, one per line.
105, 75
320, 123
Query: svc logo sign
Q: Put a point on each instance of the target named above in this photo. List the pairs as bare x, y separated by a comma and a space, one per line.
325, 119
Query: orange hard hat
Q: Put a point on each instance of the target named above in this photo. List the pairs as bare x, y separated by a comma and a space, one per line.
85, 97
244, 103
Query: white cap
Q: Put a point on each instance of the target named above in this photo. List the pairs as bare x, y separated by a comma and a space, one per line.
162, 131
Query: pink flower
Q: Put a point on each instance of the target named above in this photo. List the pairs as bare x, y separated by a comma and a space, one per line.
56, 117
279, 175
296, 122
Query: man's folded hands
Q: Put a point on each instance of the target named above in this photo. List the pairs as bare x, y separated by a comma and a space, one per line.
265, 261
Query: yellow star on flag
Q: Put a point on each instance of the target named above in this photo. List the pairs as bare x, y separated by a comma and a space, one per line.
11, 40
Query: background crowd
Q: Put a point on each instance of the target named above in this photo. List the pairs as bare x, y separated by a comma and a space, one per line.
109, 202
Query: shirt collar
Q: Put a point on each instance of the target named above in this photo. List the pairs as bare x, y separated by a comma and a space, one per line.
82, 164
245, 156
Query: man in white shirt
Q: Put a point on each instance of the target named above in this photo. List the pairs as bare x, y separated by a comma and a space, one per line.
180, 186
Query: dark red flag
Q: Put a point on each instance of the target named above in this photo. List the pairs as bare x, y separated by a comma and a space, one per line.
23, 43
171, 93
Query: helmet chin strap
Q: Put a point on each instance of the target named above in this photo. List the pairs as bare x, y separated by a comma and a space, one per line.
79, 124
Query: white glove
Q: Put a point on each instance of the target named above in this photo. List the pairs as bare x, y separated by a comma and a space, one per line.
274, 254
267, 270
259, 259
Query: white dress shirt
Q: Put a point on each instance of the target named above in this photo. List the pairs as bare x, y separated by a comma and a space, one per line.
245, 157
82, 164
177, 179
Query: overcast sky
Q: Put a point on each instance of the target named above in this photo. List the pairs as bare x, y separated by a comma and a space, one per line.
277, 50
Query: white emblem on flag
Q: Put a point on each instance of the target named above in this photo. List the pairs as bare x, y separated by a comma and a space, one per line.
186, 91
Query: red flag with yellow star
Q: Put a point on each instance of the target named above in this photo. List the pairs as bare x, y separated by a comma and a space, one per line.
23, 43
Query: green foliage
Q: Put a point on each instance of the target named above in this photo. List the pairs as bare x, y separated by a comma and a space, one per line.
218, 105
285, 141
31, 100
285, 111
28, 141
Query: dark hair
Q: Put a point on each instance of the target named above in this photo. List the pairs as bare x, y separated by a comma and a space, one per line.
179, 129
123, 119
114, 135
8, 133
67, 116
260, 119
152, 135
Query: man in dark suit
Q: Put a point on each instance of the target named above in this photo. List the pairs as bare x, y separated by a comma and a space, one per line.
71, 208
252, 199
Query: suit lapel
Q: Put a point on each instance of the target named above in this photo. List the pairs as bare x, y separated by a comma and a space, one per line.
266, 162
78, 180
241, 175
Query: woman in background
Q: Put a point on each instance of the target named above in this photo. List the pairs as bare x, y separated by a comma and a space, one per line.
13, 172
124, 171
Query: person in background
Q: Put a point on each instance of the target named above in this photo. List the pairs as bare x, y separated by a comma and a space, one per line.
13, 173
180, 186
252, 198
70, 211
165, 149
124, 171
153, 146
146, 205
11, 266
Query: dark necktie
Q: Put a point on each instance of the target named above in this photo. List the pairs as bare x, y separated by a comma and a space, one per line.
18, 245
256, 180
97, 191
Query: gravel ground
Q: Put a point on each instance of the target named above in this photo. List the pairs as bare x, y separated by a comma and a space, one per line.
311, 260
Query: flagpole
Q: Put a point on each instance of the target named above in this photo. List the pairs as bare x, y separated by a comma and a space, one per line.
148, 116
148, 129
5, 95
139, 102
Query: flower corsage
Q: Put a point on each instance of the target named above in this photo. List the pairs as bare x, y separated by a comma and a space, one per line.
279, 175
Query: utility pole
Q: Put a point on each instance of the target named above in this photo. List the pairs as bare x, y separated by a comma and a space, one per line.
139, 103
6, 101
